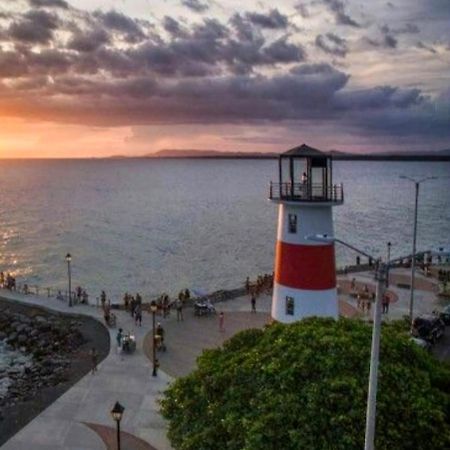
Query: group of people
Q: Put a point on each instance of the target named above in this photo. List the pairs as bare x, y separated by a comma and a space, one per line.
134, 306
7, 281
263, 283
365, 298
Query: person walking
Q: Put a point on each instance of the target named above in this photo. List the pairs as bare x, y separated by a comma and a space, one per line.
94, 360
119, 338
253, 302
386, 301
179, 307
138, 315
221, 321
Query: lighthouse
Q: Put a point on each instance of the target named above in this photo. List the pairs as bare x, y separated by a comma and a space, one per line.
305, 272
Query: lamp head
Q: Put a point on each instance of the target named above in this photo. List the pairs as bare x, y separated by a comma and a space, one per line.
153, 306
320, 238
68, 257
117, 412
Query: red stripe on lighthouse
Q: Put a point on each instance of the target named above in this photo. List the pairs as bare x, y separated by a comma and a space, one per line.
305, 266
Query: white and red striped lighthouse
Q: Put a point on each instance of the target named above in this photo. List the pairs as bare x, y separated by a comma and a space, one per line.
305, 273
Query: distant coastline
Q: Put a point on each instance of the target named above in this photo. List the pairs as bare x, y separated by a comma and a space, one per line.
443, 155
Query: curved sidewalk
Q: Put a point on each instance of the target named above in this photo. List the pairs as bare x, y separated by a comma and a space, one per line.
69, 422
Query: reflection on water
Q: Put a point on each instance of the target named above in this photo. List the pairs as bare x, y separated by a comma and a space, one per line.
154, 225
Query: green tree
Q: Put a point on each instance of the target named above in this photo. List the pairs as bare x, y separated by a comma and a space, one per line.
304, 386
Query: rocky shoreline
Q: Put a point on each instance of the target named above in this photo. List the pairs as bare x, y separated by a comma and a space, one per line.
50, 352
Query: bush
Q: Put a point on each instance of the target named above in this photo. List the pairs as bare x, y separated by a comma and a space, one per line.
304, 386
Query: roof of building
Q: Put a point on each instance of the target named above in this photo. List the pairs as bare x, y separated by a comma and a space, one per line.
304, 150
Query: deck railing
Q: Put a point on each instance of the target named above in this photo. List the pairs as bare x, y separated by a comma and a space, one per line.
306, 192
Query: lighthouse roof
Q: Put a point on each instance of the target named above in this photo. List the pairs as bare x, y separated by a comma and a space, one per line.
304, 150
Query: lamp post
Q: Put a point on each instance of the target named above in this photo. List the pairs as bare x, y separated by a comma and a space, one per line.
389, 245
69, 274
380, 276
413, 260
117, 413
153, 309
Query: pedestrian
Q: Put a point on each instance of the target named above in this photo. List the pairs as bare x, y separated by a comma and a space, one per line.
138, 315
94, 360
353, 284
253, 301
221, 321
119, 338
103, 299
386, 301
247, 285
179, 307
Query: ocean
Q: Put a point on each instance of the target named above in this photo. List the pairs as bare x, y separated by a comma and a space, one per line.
148, 226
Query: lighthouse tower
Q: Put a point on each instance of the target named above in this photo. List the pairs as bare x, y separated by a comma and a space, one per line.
305, 273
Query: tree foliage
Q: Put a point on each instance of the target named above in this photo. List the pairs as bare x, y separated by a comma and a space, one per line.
304, 386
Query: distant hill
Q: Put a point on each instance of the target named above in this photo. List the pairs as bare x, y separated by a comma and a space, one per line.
440, 155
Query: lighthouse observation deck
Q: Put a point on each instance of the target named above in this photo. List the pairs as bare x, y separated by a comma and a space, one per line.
306, 176
304, 192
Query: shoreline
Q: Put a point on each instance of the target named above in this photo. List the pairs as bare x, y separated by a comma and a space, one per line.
15, 417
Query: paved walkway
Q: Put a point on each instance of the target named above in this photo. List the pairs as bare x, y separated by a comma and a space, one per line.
80, 419
124, 378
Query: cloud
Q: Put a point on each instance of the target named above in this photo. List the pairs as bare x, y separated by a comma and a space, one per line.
273, 20
303, 10
337, 8
117, 21
174, 28
390, 41
332, 44
195, 5
34, 27
426, 47
49, 4
109, 69
88, 40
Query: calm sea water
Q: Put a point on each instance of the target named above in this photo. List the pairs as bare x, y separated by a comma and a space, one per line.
162, 225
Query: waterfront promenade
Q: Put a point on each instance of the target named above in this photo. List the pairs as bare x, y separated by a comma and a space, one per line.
80, 419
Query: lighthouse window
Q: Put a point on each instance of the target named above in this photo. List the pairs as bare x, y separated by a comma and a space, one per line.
292, 223
289, 306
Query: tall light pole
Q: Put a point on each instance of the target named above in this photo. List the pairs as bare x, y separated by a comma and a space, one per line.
154, 308
380, 276
69, 274
413, 260
117, 413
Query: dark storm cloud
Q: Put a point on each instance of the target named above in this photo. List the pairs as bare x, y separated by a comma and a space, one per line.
195, 5
408, 28
281, 51
117, 21
337, 8
33, 27
88, 40
273, 20
332, 44
49, 4
244, 29
390, 41
426, 47
174, 27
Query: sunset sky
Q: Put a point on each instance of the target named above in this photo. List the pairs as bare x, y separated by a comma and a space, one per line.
82, 78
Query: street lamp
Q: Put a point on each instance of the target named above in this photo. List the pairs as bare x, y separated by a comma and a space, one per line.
413, 261
117, 413
153, 309
380, 275
69, 273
